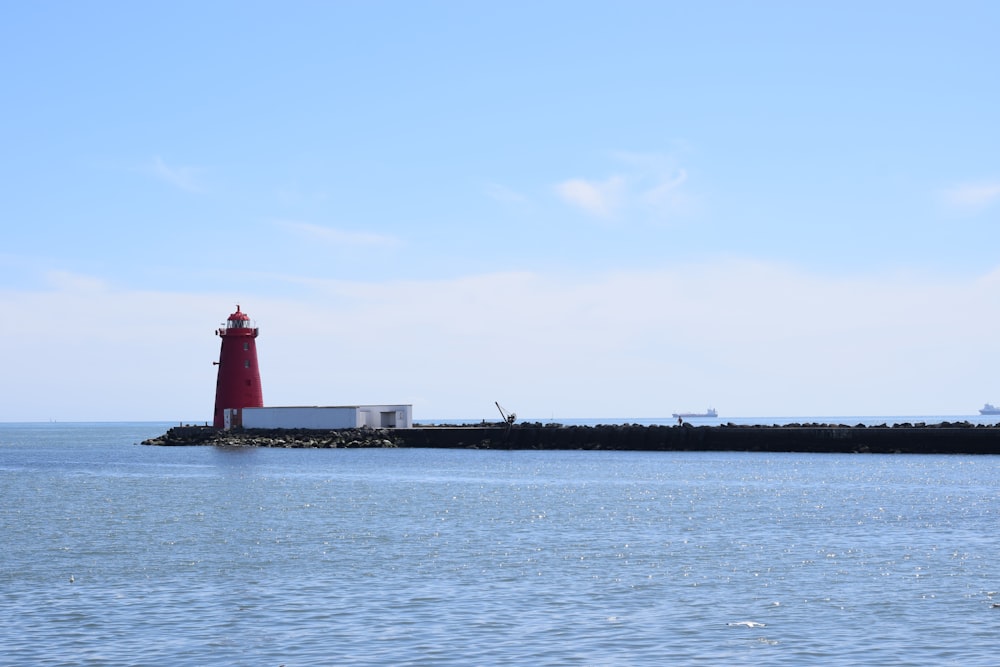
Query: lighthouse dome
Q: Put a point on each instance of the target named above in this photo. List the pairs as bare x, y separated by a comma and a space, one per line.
238, 320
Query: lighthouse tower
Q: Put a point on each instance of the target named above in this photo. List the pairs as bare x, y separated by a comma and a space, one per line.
238, 385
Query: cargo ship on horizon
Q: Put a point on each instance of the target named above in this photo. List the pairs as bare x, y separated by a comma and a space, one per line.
708, 414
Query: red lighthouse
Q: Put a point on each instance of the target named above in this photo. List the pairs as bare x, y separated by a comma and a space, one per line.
238, 385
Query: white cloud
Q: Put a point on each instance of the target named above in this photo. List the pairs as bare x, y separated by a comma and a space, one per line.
602, 199
972, 196
750, 338
651, 186
183, 177
338, 236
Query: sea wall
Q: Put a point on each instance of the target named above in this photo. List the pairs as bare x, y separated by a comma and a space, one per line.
187, 436
942, 438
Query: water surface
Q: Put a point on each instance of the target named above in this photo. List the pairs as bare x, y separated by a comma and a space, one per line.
119, 554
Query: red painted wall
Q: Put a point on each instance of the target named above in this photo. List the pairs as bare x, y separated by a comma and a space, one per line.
238, 383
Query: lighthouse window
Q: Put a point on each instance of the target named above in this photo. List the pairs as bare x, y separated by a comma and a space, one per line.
246, 363
246, 346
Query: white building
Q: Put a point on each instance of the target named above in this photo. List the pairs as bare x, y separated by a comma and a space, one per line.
321, 418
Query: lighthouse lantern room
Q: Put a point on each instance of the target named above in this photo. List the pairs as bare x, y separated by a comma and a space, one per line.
238, 384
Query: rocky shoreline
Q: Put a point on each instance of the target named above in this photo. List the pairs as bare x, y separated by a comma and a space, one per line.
941, 438
187, 436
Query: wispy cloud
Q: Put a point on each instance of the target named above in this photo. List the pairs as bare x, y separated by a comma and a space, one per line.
67, 281
972, 196
651, 185
338, 236
182, 177
602, 199
666, 192
504, 194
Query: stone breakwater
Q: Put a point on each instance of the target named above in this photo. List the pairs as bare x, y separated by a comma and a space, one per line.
942, 438
182, 436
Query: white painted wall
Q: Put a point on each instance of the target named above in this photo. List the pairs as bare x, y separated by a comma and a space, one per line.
314, 417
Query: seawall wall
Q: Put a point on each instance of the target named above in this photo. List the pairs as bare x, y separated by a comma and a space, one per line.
943, 438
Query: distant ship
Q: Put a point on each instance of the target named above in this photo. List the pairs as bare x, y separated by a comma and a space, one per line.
711, 413
989, 409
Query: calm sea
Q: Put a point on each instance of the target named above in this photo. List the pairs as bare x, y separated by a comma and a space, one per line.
114, 553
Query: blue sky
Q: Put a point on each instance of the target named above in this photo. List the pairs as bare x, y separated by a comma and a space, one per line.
577, 209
